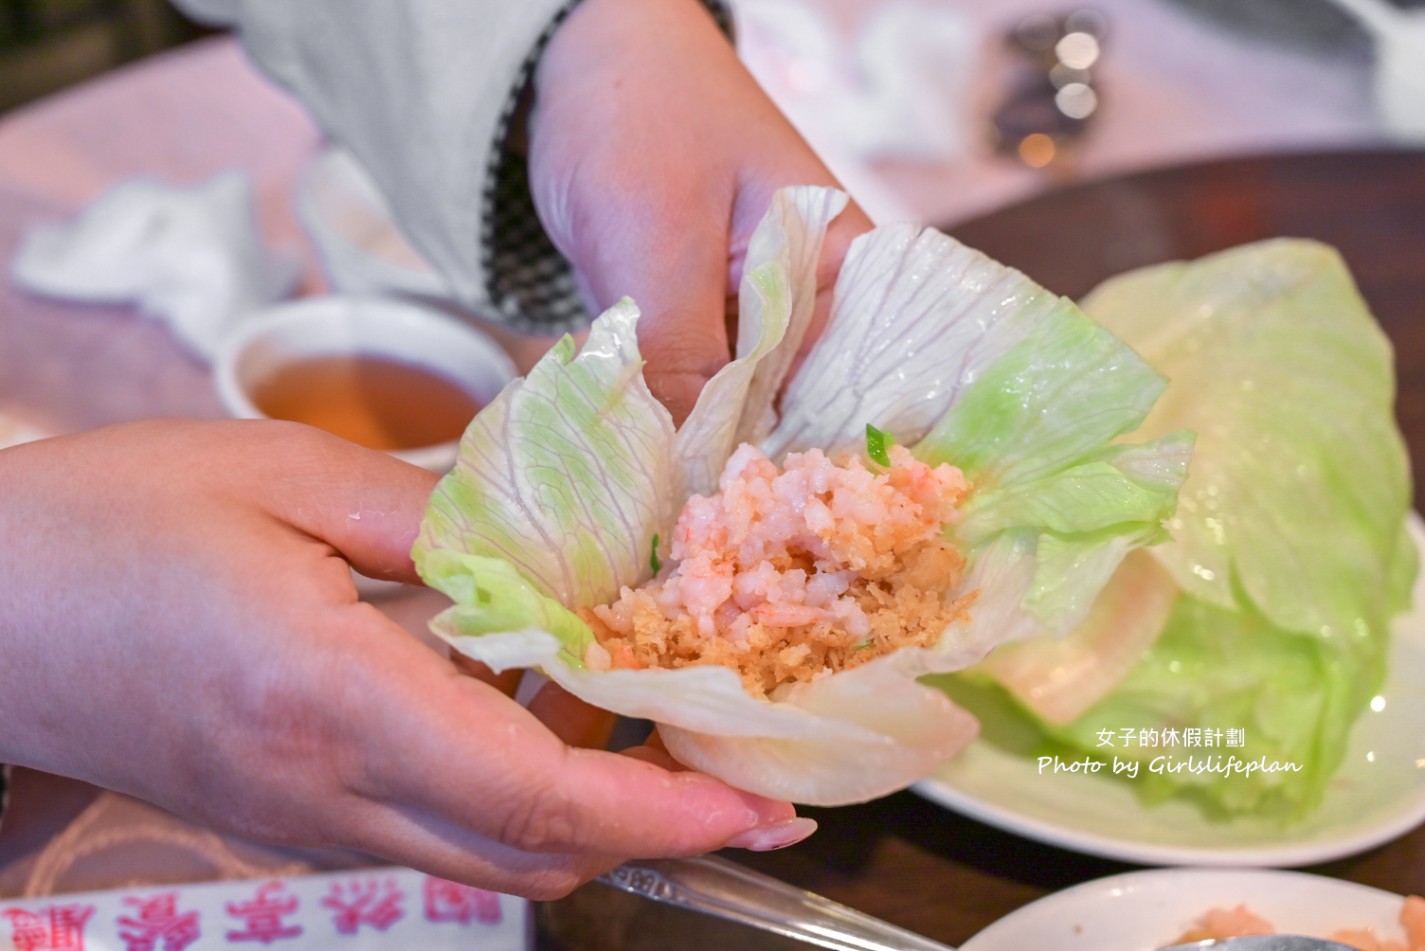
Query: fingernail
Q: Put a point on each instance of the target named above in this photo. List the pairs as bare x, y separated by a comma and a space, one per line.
776, 835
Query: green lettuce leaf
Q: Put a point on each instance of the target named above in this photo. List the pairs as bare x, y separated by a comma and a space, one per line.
972, 363
1289, 554
507, 621
565, 480
1279, 367
916, 318
775, 304
1058, 679
1058, 395
1288, 699
559, 486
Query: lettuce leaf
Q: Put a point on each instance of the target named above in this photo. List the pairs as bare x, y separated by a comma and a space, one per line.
1289, 555
775, 304
1289, 698
1059, 679
559, 485
1279, 367
564, 481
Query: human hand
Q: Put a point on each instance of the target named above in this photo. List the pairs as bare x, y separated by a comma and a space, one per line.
653, 155
178, 622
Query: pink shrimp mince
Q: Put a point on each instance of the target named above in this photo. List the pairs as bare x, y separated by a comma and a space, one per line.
1232, 922
787, 574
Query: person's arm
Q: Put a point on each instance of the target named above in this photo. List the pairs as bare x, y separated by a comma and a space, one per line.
178, 622
421, 92
652, 152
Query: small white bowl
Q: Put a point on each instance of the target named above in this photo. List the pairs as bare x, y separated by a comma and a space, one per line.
370, 326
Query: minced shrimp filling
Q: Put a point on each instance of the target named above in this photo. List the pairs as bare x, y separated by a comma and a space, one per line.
786, 574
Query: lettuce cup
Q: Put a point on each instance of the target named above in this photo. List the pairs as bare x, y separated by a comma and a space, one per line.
1266, 620
945, 473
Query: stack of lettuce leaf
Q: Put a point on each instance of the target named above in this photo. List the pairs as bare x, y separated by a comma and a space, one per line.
1267, 616
565, 480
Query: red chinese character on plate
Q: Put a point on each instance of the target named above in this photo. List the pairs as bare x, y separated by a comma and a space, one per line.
450, 901
370, 901
157, 923
264, 915
55, 928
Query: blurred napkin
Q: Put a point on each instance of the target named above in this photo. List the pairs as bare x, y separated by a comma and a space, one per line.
192, 257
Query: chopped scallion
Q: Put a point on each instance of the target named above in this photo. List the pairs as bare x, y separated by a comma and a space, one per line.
877, 444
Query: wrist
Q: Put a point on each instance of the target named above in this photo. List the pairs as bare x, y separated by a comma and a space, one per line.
598, 36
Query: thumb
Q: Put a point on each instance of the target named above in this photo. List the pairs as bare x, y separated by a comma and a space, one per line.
673, 264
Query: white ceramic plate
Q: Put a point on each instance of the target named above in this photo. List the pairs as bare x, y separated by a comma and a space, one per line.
1149, 909
1378, 793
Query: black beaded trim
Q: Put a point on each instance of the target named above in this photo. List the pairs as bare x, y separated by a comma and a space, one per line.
531, 284
4, 791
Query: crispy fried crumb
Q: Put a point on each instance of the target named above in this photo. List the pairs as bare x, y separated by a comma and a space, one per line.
789, 574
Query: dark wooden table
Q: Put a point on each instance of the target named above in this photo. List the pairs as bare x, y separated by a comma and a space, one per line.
931, 871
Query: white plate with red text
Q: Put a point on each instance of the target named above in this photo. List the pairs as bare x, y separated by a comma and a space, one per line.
357, 910
1377, 794
1150, 909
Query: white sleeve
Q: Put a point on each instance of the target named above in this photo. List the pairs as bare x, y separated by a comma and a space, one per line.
421, 92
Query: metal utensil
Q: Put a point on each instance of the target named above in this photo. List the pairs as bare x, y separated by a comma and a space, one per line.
726, 890
723, 889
